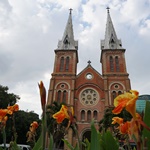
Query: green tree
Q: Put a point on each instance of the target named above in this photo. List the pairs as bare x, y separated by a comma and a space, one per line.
106, 121
20, 125
7, 99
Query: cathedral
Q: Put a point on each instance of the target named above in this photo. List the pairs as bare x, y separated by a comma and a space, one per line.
89, 92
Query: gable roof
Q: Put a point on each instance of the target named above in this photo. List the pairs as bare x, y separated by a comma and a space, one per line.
87, 67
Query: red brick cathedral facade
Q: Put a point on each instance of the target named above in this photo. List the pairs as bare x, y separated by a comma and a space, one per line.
89, 92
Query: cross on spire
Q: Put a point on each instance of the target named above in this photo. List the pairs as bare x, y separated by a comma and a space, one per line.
89, 62
107, 9
70, 10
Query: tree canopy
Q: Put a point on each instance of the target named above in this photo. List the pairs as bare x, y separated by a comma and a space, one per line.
7, 99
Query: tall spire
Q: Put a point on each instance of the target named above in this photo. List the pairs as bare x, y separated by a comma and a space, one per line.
68, 41
111, 41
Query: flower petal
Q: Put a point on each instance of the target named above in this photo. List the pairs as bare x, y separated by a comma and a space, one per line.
126, 100
119, 108
62, 114
42, 94
59, 116
124, 128
117, 120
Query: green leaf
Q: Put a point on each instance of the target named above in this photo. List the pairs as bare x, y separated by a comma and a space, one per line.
15, 146
86, 144
51, 142
43, 129
38, 144
68, 144
77, 147
4, 137
110, 142
95, 141
146, 133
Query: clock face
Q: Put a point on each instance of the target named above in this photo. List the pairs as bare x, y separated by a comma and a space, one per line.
89, 97
89, 76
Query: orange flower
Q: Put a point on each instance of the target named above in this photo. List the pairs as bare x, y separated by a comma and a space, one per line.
135, 127
127, 100
33, 126
131, 128
3, 117
123, 127
71, 117
13, 108
62, 114
117, 120
3, 113
4, 120
42, 94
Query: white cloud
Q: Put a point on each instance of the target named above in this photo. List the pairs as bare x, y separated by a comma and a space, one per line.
145, 28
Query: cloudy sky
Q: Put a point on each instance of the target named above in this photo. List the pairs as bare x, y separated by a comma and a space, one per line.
30, 30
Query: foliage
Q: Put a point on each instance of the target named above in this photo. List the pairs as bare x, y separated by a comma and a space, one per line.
146, 118
60, 118
57, 130
106, 122
99, 141
7, 98
51, 122
95, 138
4, 113
22, 122
17, 124
133, 128
109, 142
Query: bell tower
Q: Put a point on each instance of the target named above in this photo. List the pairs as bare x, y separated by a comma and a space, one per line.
114, 70
65, 67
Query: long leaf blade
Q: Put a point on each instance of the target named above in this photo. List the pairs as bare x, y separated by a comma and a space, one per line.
146, 134
95, 141
38, 144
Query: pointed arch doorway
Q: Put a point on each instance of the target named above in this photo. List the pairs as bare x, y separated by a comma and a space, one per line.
86, 135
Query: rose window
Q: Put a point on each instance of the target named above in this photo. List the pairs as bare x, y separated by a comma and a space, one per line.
89, 97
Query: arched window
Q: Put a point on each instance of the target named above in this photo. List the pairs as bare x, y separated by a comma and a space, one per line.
119, 92
95, 114
64, 96
117, 63
114, 95
111, 64
67, 63
62, 64
82, 115
59, 96
89, 115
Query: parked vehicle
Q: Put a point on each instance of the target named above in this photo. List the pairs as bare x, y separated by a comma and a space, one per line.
24, 147
21, 146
